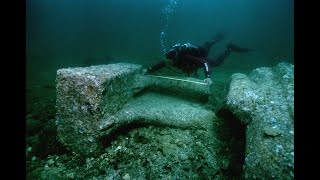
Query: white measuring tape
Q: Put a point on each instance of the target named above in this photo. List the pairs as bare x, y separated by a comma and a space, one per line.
185, 80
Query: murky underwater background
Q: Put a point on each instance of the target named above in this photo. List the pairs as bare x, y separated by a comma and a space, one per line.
67, 33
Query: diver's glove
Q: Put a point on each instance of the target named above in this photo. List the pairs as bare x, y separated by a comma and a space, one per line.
208, 81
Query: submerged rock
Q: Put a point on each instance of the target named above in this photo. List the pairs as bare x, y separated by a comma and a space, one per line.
264, 102
95, 101
137, 127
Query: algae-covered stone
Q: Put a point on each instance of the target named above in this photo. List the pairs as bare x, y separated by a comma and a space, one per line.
93, 102
272, 131
84, 95
264, 101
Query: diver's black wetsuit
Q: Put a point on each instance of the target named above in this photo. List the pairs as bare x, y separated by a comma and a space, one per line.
190, 57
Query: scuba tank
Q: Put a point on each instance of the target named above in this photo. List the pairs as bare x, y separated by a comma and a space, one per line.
184, 46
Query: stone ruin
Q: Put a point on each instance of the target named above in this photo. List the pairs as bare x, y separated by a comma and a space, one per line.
263, 101
93, 102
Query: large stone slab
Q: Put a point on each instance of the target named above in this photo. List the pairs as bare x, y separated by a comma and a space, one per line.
186, 87
159, 110
84, 95
264, 102
94, 101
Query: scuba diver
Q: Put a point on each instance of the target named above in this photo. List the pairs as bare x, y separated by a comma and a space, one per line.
189, 57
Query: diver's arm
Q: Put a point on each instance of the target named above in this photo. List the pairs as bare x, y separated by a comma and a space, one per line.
156, 67
199, 61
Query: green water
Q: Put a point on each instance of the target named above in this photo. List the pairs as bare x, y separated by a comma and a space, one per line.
66, 33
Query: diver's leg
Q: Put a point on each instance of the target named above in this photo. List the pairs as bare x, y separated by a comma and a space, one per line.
231, 47
207, 45
238, 49
220, 58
